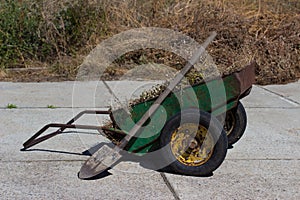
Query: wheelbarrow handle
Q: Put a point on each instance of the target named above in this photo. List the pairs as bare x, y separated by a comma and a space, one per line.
35, 139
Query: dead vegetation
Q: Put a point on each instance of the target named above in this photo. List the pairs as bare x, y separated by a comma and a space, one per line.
265, 30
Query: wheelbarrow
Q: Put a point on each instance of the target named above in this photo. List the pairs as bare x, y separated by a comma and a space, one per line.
191, 140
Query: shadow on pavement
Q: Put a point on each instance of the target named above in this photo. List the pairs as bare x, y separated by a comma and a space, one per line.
143, 161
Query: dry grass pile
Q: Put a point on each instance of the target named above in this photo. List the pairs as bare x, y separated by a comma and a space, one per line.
265, 30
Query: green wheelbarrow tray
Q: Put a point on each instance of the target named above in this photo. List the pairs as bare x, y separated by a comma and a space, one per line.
237, 85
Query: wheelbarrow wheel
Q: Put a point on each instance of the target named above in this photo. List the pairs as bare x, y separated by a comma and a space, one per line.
194, 142
235, 123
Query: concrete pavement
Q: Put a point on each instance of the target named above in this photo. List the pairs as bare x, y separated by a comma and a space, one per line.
264, 164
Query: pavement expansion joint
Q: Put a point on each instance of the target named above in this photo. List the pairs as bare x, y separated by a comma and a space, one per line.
272, 107
291, 101
264, 159
43, 161
168, 184
55, 108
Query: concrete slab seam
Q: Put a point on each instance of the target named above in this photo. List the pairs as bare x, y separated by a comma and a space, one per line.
168, 184
264, 159
41, 161
56, 108
291, 101
272, 107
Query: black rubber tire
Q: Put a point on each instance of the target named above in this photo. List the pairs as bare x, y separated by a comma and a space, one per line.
215, 129
238, 119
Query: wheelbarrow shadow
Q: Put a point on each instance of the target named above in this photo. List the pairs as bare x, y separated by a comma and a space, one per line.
86, 153
145, 161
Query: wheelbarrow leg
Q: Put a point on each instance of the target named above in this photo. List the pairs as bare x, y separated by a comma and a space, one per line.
35, 139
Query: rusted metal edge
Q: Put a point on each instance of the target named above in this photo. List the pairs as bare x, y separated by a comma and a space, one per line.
246, 77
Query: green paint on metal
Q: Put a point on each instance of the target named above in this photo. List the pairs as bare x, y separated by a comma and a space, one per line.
206, 96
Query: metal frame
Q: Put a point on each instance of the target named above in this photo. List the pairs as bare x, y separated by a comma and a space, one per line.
35, 139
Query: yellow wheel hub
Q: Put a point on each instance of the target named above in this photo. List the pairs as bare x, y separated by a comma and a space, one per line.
192, 144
